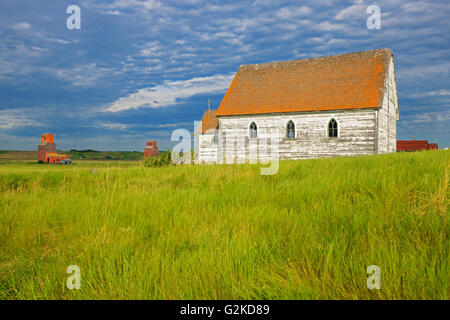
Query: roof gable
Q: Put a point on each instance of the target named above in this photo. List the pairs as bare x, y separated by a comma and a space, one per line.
346, 81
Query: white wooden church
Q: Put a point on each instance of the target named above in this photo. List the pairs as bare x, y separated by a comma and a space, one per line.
340, 105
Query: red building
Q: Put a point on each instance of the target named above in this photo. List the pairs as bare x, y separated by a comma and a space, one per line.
54, 157
47, 150
151, 149
415, 145
47, 145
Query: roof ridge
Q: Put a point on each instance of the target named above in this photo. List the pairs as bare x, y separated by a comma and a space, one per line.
386, 50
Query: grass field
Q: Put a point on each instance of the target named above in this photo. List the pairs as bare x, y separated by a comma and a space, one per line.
9, 155
104, 155
225, 231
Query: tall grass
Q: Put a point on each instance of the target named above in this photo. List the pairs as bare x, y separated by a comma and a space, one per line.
163, 159
226, 232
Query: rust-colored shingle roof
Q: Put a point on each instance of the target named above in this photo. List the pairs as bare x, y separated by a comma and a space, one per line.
209, 121
346, 81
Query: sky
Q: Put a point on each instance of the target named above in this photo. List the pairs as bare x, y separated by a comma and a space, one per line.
138, 69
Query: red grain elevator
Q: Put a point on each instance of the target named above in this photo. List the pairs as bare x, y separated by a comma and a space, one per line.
47, 145
151, 149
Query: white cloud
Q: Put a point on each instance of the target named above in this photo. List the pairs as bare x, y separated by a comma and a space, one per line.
52, 39
151, 49
425, 69
173, 125
171, 93
84, 75
113, 126
112, 12
291, 12
13, 118
328, 26
431, 117
60, 41
17, 57
116, 7
21, 26
356, 10
437, 93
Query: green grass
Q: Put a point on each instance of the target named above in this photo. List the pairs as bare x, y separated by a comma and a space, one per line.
76, 155
104, 155
225, 231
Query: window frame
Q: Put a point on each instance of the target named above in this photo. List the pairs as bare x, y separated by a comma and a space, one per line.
336, 128
255, 130
287, 130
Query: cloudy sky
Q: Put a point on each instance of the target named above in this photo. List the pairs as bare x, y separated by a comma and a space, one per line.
138, 69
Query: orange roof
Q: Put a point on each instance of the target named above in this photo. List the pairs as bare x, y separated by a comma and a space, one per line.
53, 154
346, 81
209, 121
47, 138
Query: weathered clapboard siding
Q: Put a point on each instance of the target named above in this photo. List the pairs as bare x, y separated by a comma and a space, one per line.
356, 135
208, 151
388, 115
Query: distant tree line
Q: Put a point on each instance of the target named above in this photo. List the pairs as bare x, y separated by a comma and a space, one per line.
90, 150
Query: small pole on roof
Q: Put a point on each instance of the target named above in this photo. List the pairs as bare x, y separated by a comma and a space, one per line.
209, 104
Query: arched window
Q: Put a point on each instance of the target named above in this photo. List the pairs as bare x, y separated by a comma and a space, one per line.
332, 128
253, 130
290, 130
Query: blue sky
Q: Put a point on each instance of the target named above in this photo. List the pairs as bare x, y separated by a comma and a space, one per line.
138, 69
